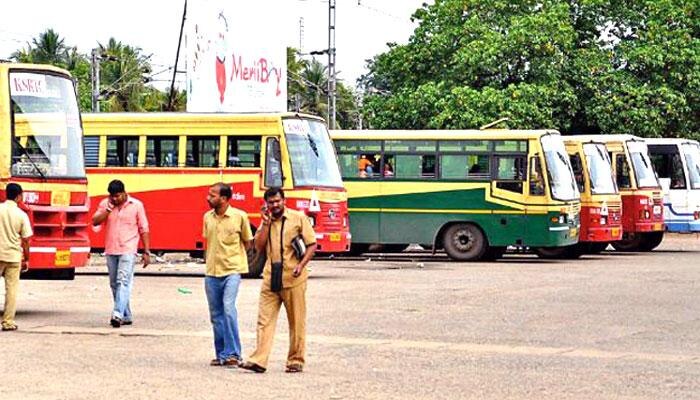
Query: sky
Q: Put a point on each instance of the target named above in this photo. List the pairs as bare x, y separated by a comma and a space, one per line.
363, 27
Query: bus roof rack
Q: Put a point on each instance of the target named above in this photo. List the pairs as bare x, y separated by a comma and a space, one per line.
494, 123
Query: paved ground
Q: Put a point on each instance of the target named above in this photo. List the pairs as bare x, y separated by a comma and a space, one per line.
610, 326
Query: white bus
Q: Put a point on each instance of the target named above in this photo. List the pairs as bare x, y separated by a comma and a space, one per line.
677, 162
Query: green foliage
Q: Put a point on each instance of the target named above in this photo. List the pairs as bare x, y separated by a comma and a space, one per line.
307, 91
582, 66
123, 74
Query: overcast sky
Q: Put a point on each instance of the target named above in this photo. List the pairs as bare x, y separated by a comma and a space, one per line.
362, 29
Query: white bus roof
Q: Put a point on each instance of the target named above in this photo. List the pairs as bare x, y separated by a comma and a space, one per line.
605, 138
670, 141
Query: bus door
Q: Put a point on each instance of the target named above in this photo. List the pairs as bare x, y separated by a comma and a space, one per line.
508, 187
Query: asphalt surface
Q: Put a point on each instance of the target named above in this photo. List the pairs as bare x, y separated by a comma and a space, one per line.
616, 325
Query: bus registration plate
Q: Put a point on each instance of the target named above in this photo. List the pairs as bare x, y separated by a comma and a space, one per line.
60, 198
62, 258
334, 237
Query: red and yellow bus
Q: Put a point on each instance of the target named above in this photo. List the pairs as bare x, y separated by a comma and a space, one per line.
601, 204
642, 199
169, 160
41, 149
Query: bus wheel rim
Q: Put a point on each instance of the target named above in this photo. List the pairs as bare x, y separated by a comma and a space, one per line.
463, 240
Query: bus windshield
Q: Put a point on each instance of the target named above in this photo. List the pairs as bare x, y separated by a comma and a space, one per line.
47, 134
599, 169
643, 170
561, 176
312, 154
692, 160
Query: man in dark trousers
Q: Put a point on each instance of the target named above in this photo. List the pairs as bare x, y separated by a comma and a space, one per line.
15, 231
126, 220
280, 227
228, 235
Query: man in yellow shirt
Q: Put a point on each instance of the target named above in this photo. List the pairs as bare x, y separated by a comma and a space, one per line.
284, 280
228, 235
15, 231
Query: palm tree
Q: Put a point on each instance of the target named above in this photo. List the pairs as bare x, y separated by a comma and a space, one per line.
123, 81
315, 79
49, 48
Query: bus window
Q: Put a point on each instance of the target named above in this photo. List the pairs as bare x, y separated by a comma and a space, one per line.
577, 166
348, 165
273, 166
510, 173
162, 151
91, 144
122, 151
668, 164
536, 177
244, 152
202, 152
368, 165
622, 172
465, 166
414, 166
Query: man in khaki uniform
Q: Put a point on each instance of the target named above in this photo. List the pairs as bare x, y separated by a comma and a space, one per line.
280, 226
228, 236
15, 231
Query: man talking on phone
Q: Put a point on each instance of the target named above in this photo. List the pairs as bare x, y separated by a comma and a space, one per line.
125, 220
289, 241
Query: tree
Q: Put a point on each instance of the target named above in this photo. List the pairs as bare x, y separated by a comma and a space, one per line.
124, 73
583, 66
307, 87
122, 76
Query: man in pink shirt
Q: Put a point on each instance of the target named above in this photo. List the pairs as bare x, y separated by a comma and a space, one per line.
125, 220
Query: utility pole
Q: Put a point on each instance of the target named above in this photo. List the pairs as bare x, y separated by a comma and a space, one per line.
331, 64
301, 35
95, 77
177, 58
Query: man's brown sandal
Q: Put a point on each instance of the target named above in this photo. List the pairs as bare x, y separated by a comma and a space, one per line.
215, 363
252, 367
294, 368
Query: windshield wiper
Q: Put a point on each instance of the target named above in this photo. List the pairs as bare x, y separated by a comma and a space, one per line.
312, 143
29, 157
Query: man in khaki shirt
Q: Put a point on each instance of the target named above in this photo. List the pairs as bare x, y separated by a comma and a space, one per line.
15, 231
279, 227
228, 235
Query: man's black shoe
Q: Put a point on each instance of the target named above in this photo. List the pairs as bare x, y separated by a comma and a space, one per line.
252, 367
115, 322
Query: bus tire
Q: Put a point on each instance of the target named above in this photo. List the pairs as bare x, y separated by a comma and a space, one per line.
394, 248
596, 247
464, 242
59, 274
256, 264
356, 249
494, 253
628, 245
651, 240
558, 253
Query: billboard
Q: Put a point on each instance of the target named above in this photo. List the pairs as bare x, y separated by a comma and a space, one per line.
236, 60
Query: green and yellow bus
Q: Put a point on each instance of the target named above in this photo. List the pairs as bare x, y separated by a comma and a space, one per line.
470, 192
